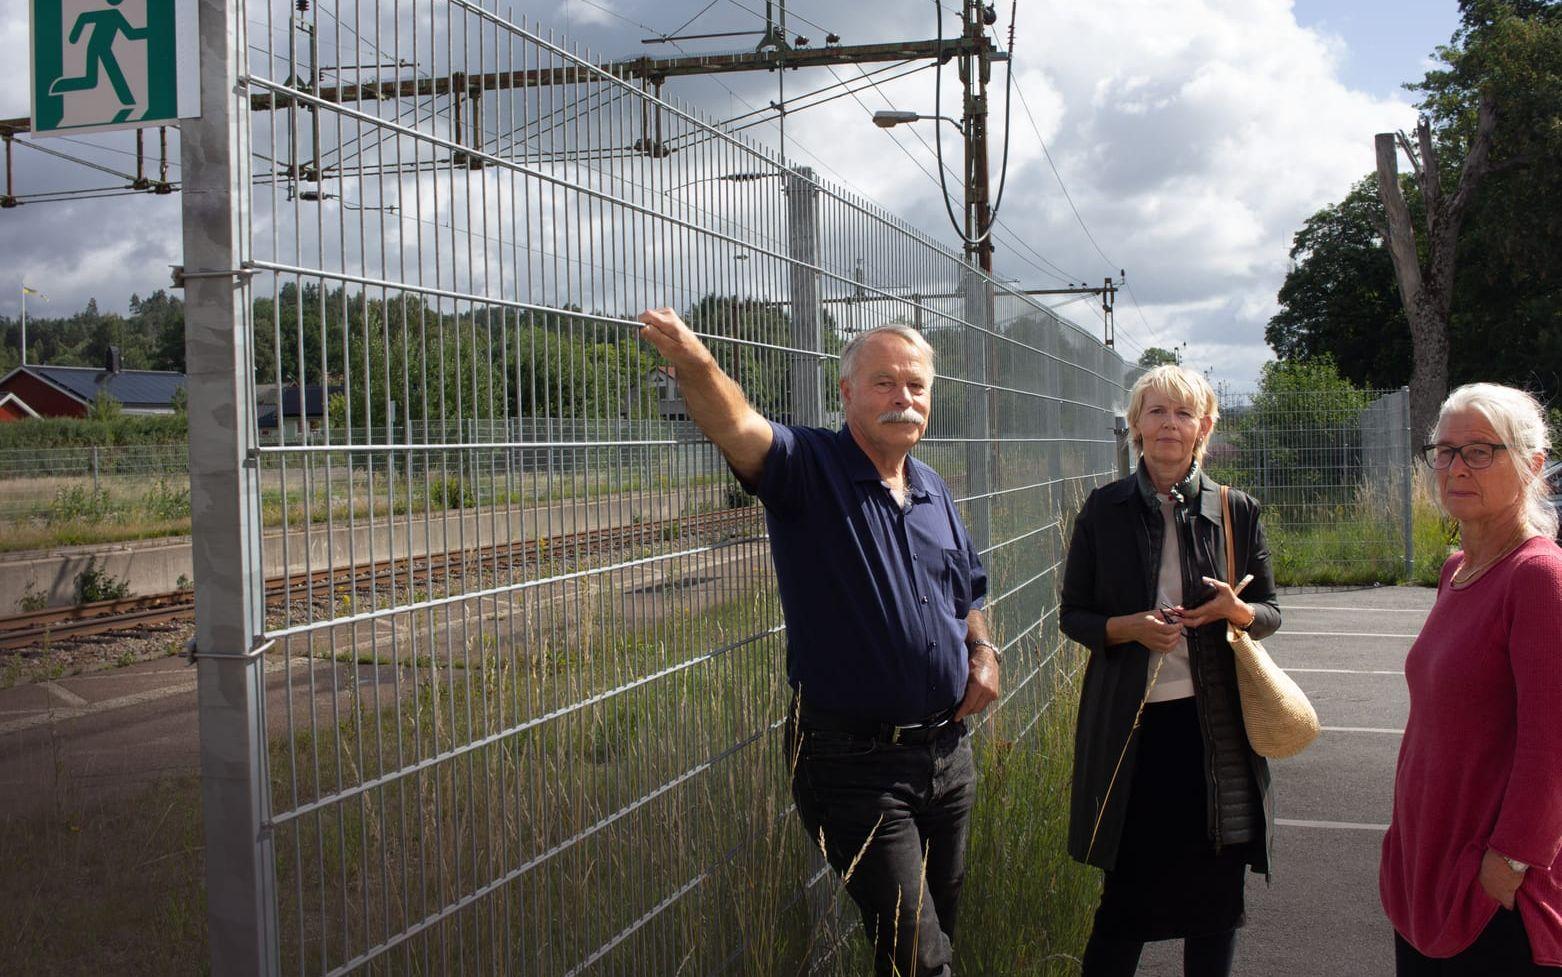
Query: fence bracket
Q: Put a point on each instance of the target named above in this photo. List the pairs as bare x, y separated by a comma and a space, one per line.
180, 276
193, 654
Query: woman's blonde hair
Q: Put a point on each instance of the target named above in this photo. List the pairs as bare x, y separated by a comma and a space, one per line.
1186, 387
1518, 421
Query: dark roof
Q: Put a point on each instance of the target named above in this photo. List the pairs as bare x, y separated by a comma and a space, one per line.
313, 401
132, 388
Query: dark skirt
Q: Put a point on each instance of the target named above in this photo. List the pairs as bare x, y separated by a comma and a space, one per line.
1170, 882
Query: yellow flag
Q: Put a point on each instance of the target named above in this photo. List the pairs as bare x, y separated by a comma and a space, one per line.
33, 291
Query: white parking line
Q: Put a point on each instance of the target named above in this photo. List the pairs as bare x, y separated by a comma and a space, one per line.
1342, 671
1361, 729
63, 694
1288, 606
184, 682
1331, 825
1342, 634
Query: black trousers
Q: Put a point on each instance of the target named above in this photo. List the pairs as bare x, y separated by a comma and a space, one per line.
1502, 950
881, 809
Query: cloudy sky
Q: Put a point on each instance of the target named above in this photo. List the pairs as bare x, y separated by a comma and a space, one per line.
1193, 137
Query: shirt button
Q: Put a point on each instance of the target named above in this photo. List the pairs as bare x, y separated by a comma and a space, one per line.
924, 598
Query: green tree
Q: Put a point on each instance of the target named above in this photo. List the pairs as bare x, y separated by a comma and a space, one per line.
1505, 318
159, 318
104, 407
1292, 443
1156, 356
749, 338
1339, 299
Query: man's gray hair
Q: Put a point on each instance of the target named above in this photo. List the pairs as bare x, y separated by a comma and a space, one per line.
910, 335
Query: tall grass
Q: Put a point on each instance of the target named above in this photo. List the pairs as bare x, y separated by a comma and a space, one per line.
1359, 542
1026, 909
707, 877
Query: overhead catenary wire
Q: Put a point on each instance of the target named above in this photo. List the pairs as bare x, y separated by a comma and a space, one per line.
1052, 270
981, 234
1057, 175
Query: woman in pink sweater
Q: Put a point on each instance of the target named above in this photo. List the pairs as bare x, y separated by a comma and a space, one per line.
1470, 873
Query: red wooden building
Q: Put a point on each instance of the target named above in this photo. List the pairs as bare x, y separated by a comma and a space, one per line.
68, 391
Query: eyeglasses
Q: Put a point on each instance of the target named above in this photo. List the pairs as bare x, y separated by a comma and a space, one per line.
1476, 454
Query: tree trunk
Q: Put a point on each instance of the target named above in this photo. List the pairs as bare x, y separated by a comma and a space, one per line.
1427, 292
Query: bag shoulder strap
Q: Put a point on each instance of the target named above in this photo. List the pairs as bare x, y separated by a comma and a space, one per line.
1231, 543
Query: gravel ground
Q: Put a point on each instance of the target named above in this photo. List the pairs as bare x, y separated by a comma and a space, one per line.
92, 654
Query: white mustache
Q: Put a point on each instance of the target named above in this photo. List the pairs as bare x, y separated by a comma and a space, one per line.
908, 416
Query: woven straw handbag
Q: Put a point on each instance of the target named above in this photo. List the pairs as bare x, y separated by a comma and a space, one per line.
1280, 721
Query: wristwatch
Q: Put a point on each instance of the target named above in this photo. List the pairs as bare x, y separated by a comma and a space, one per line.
1516, 865
984, 643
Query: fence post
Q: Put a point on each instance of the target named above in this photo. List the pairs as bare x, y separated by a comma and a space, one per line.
1407, 487
95, 487
224, 505
1120, 432
978, 451
802, 240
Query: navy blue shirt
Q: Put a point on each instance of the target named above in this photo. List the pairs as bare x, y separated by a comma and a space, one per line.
875, 594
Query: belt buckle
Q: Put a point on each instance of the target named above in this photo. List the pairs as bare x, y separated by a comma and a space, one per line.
894, 736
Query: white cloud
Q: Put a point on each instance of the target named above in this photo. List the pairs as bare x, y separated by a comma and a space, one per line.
1198, 136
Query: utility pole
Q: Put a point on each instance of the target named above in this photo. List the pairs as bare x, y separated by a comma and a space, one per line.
975, 71
1108, 292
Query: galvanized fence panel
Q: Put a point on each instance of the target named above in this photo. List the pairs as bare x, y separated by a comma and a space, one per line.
1335, 474
526, 696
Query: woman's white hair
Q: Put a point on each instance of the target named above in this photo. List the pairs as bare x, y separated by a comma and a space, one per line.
1518, 421
910, 335
1183, 386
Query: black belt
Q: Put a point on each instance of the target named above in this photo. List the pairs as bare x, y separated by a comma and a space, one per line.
912, 734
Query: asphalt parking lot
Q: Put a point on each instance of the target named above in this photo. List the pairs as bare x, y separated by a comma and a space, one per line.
1320, 915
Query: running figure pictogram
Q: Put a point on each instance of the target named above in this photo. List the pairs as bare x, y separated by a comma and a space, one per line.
105, 25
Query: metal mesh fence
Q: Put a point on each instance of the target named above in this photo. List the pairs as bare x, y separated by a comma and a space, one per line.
525, 693
1334, 472
56, 484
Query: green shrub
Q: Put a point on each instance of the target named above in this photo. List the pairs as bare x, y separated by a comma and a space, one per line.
32, 599
78, 504
167, 500
95, 583
80, 432
451, 492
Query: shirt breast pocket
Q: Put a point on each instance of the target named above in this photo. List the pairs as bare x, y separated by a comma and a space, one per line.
957, 580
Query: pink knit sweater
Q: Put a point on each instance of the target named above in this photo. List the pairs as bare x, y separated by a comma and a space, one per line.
1481, 761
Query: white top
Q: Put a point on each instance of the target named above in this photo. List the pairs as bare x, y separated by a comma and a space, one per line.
1175, 680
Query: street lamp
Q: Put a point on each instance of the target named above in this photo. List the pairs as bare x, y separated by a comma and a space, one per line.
886, 118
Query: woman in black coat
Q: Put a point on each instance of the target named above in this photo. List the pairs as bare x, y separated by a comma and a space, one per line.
1176, 809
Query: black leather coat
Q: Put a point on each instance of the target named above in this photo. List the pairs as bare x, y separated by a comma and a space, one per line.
1112, 567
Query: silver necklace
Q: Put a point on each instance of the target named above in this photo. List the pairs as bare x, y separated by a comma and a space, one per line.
1470, 575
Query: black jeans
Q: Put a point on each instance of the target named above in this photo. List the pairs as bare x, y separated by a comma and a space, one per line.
1502, 950
880, 810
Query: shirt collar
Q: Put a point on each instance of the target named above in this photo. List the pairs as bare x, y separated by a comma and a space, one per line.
861, 469
1201, 491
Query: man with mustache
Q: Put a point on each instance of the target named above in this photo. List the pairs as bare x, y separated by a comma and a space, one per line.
887, 648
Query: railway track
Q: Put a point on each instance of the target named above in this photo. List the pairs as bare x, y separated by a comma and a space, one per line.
60, 625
